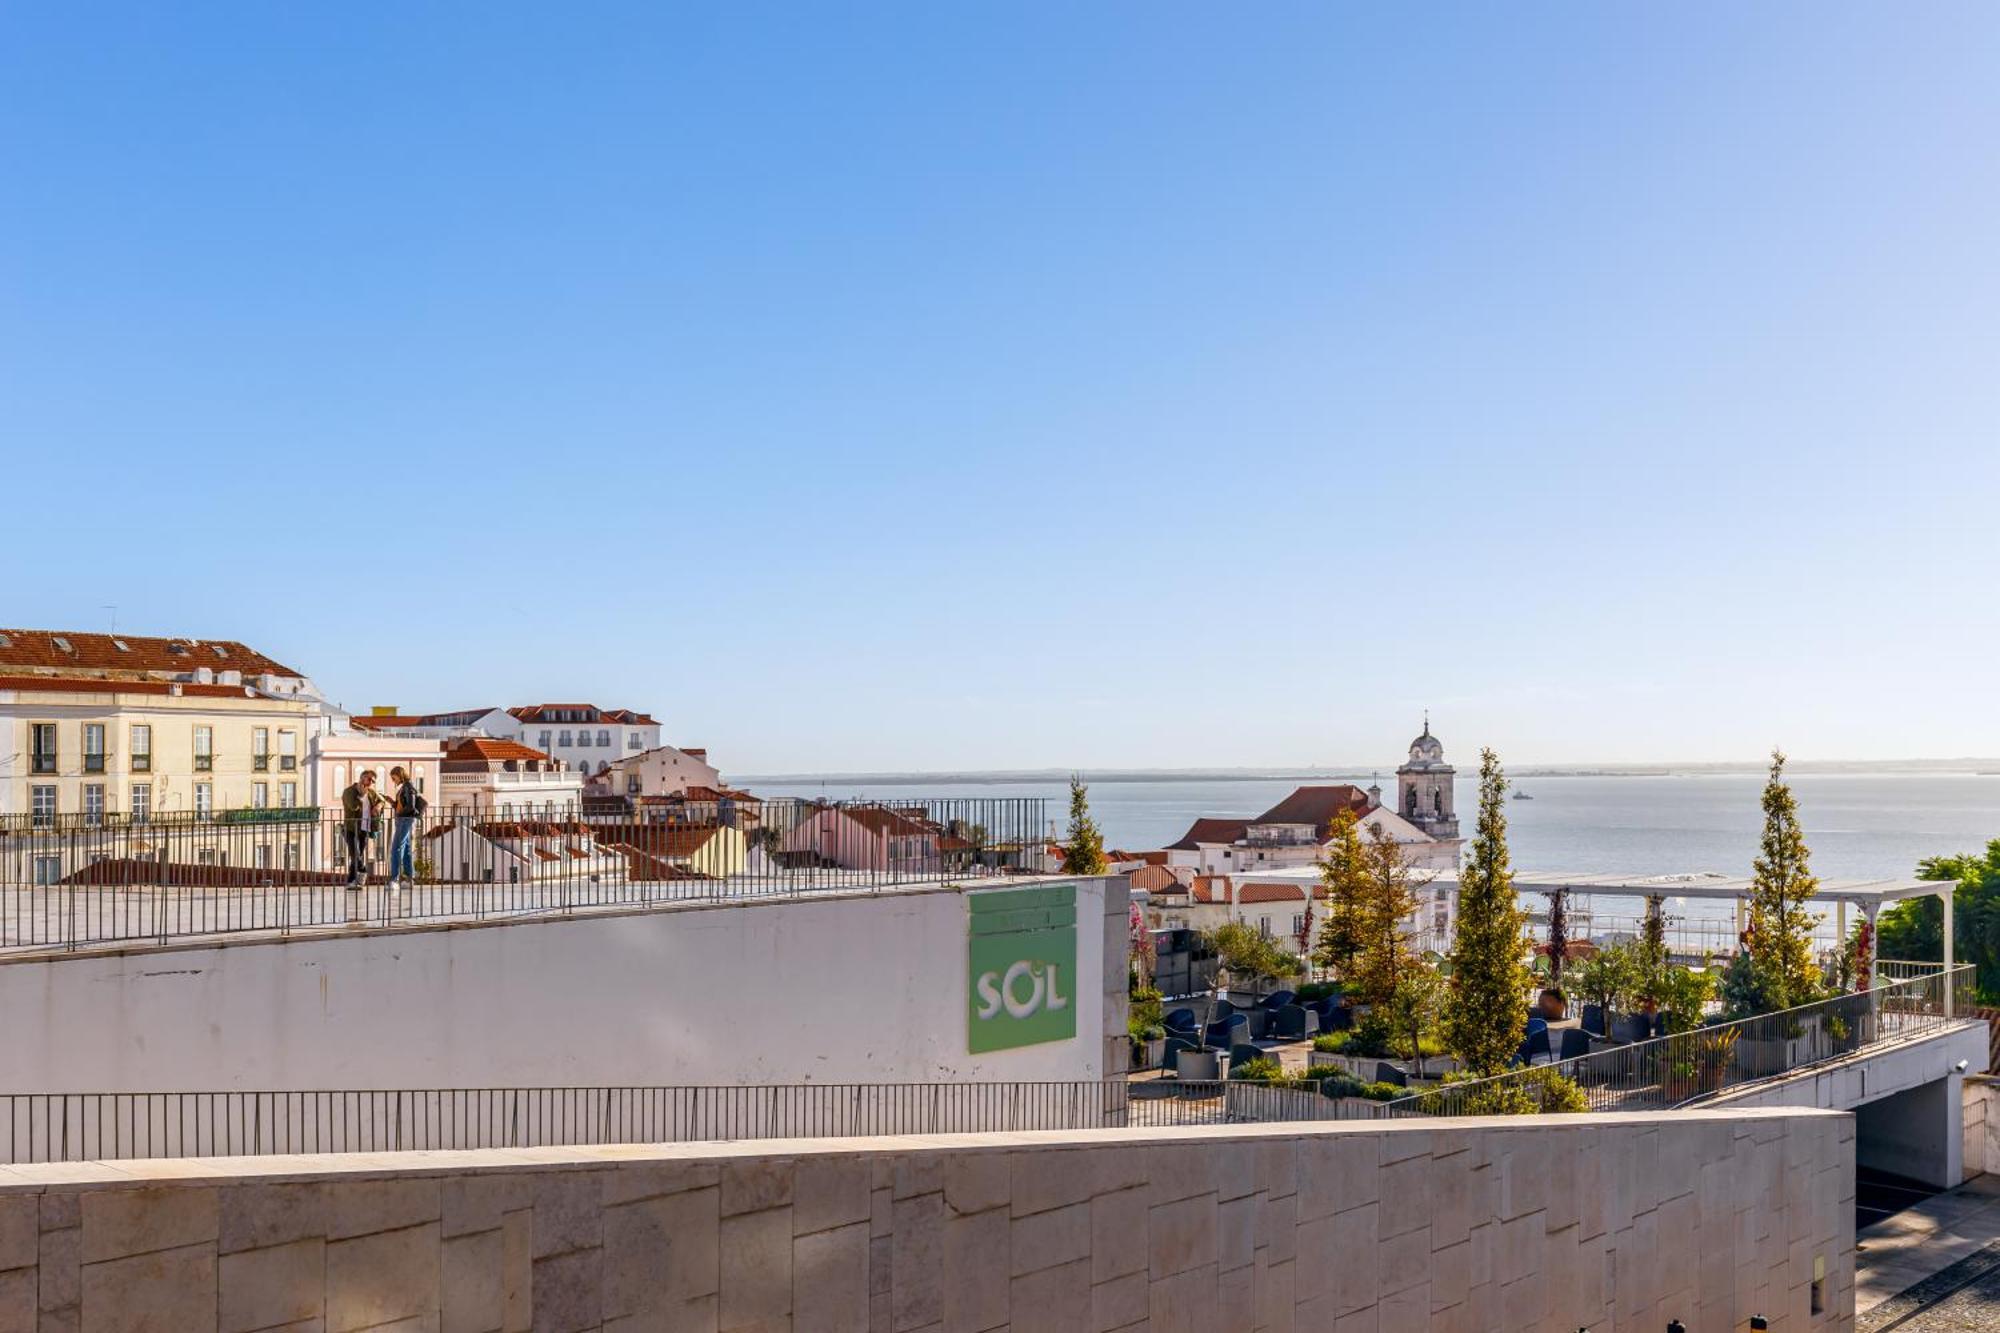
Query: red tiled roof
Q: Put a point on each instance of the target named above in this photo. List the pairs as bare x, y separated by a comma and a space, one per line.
99, 685
1210, 830
591, 713
715, 794
1270, 893
882, 820
464, 717
39, 650
1316, 806
1210, 889
474, 749
645, 867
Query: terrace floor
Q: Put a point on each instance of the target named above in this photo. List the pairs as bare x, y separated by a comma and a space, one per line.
1933, 1266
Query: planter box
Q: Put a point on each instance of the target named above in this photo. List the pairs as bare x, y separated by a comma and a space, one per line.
1200, 1066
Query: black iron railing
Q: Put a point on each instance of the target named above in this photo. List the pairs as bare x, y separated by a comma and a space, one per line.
55, 1127
1673, 1071
68, 881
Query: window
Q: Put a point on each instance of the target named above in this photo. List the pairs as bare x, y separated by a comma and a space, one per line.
632, 785
544, 746
204, 799
205, 857
288, 795
93, 803
42, 744
563, 740
604, 739
260, 795
142, 802
288, 751
583, 739
291, 856
93, 747
260, 749
48, 870
632, 741
263, 856
204, 749
42, 806
142, 748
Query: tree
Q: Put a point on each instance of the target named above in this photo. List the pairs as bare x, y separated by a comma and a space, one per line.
1388, 900
1083, 852
1342, 868
1558, 934
1779, 936
1914, 930
1246, 952
1488, 981
1413, 1007
1653, 947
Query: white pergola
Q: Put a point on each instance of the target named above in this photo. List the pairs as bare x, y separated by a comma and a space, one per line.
1870, 895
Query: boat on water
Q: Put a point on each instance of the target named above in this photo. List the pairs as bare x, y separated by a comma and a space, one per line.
1522, 796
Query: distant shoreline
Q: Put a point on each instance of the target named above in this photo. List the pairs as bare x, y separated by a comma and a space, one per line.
1914, 767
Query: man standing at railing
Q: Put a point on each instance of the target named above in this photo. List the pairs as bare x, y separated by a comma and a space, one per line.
360, 807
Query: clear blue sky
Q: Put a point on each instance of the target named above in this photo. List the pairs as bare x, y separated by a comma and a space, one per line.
946, 385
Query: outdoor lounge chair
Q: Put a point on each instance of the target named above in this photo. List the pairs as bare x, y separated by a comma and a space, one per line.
1278, 999
1180, 1020
1575, 1042
1336, 1018
1243, 1051
1593, 1019
1537, 1043
1227, 1032
1388, 1073
1294, 1022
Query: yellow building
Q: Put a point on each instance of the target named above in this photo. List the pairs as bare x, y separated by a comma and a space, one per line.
123, 727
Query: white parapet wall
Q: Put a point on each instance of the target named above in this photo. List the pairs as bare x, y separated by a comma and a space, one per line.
1560, 1222
873, 988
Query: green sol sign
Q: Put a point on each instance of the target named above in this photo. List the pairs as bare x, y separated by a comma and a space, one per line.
1021, 958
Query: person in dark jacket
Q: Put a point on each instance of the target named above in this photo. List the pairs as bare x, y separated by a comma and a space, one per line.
361, 810
410, 806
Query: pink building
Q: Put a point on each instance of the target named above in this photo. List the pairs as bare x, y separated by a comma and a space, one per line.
867, 837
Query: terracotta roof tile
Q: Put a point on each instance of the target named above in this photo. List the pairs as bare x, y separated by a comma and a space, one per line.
1316, 806
70, 650
99, 685
473, 749
1210, 831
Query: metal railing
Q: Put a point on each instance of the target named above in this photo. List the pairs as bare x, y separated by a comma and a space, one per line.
1673, 1071
122, 878
62, 1127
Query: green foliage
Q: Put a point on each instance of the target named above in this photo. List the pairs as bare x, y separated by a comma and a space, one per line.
1558, 934
1779, 936
1652, 953
1083, 850
1414, 1008
1610, 978
1246, 954
1913, 930
1488, 981
1146, 1007
1682, 993
1321, 1073
1746, 989
1258, 1071
1319, 990
1539, 1091
1343, 869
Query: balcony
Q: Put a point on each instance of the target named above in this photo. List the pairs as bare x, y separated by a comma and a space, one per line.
93, 763
42, 763
142, 763
260, 763
204, 763
288, 763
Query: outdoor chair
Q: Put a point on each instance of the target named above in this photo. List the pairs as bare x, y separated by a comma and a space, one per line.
1537, 1043
1278, 999
1294, 1022
1593, 1019
1260, 1022
1227, 1032
1336, 1018
1244, 1051
1630, 1028
1575, 1042
1177, 1044
1388, 1073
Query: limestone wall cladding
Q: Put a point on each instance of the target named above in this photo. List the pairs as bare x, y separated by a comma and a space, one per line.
1606, 1223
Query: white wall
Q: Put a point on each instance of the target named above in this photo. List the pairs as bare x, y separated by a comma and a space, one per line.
856, 988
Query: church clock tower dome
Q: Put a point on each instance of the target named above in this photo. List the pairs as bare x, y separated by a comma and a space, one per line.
1423, 787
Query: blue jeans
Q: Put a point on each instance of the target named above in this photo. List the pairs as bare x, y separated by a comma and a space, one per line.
401, 864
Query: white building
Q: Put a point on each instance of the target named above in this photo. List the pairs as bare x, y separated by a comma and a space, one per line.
1295, 832
664, 770
490, 776
584, 737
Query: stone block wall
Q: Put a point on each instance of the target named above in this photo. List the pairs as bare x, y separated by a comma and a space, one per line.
1607, 1223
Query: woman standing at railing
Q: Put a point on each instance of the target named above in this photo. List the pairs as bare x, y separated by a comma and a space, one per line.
410, 806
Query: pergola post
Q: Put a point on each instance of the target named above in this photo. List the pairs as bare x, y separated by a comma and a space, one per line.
1950, 953
1739, 923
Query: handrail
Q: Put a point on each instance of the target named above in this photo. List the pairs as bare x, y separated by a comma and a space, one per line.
1663, 1073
